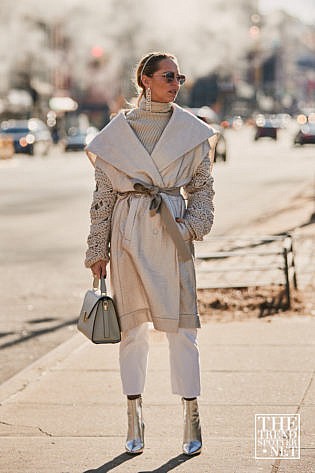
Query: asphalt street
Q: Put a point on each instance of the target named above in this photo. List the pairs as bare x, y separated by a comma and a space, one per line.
44, 208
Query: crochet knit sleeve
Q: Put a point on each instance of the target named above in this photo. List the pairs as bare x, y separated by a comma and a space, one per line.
104, 198
200, 193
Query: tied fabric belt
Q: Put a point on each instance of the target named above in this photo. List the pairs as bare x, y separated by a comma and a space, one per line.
158, 205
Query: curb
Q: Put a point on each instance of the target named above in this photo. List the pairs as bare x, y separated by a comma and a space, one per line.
39, 368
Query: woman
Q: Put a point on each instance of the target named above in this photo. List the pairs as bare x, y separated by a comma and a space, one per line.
143, 159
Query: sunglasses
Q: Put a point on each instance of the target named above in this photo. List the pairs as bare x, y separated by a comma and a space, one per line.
170, 77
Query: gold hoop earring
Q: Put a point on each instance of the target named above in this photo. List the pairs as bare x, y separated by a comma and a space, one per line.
148, 105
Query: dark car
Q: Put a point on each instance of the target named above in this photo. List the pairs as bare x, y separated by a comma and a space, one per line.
76, 139
266, 127
306, 135
207, 115
29, 136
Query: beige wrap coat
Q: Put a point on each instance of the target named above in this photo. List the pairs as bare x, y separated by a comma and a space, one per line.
150, 280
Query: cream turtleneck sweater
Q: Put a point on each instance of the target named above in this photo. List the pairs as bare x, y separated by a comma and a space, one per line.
148, 127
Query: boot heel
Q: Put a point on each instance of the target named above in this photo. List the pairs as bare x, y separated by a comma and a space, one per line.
135, 436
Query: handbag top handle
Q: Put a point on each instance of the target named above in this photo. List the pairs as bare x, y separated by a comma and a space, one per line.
96, 282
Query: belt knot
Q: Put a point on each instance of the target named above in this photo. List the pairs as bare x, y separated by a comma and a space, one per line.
158, 205
155, 192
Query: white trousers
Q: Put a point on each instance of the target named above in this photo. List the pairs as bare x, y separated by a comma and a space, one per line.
183, 357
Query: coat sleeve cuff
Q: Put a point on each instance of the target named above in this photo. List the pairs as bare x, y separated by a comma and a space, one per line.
88, 263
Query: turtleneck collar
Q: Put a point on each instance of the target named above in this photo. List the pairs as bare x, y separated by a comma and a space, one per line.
156, 107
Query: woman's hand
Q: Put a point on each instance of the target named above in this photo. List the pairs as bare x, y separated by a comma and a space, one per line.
184, 229
99, 268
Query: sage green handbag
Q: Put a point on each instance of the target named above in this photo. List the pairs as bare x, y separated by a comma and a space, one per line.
98, 320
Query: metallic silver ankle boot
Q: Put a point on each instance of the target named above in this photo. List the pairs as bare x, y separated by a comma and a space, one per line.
135, 436
192, 442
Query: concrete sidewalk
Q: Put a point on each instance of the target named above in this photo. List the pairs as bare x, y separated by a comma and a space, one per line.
66, 414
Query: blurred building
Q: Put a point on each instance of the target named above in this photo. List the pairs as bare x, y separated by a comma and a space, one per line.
281, 63
237, 60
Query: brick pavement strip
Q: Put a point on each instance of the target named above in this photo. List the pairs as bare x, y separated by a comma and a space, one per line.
66, 414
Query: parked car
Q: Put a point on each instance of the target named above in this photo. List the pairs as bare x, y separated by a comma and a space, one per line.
76, 139
266, 126
236, 122
207, 115
29, 136
306, 135
220, 149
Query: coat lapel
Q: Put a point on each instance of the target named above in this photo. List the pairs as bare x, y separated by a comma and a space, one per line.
182, 133
118, 145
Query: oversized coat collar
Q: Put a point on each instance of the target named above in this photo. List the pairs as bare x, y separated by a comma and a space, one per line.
118, 145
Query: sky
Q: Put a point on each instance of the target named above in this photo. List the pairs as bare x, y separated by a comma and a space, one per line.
303, 9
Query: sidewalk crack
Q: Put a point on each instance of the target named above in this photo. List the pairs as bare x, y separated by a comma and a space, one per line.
44, 432
27, 427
